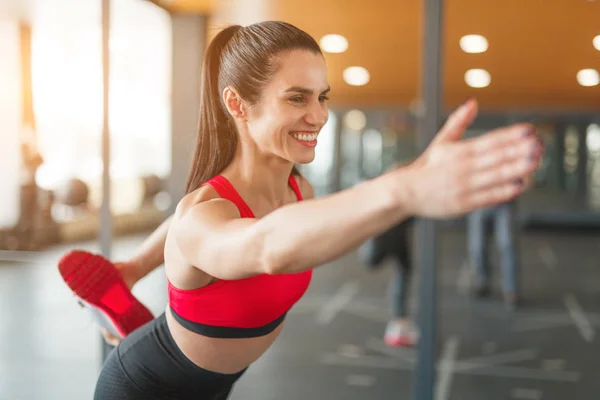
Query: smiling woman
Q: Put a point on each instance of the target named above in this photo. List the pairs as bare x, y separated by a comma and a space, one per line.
243, 242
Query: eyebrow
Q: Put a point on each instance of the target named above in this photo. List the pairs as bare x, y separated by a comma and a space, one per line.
302, 90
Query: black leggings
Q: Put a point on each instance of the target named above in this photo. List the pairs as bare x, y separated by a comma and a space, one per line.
393, 243
148, 365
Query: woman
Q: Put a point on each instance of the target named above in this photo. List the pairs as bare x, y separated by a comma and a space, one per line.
243, 241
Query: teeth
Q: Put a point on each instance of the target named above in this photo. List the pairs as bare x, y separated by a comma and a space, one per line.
305, 137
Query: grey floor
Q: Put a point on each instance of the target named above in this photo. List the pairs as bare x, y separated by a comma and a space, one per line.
331, 347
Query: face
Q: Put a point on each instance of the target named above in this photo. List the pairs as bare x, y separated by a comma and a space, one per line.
293, 108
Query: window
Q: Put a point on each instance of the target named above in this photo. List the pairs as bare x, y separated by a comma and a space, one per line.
67, 92
10, 123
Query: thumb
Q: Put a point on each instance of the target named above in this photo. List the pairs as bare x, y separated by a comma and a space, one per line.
457, 123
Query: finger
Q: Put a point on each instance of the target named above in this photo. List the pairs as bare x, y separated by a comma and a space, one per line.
457, 123
109, 337
113, 341
495, 139
503, 173
528, 181
492, 196
528, 148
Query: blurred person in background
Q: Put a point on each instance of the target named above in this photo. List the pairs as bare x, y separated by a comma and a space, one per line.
499, 219
395, 244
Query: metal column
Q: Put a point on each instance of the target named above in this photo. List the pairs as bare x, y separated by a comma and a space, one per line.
105, 215
426, 248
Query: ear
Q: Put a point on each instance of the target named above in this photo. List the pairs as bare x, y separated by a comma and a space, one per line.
234, 103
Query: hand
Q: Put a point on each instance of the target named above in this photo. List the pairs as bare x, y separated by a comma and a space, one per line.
109, 337
454, 176
127, 270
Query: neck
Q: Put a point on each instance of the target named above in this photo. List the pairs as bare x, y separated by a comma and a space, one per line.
263, 176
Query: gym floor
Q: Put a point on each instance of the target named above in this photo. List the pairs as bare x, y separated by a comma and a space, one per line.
331, 346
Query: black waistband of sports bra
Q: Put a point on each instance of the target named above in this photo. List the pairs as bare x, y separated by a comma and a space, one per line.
227, 332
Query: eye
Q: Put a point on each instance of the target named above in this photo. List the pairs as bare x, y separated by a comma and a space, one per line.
323, 98
297, 100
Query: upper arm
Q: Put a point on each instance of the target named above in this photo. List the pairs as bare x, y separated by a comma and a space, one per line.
212, 237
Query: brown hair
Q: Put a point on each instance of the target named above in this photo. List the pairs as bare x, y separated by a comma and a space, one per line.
243, 58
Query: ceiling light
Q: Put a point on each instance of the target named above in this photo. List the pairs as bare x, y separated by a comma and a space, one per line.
478, 78
355, 120
333, 43
473, 44
588, 77
356, 76
596, 42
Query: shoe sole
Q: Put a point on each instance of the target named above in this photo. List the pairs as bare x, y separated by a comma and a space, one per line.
100, 288
400, 342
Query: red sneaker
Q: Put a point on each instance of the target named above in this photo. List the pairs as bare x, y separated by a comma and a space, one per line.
99, 286
400, 336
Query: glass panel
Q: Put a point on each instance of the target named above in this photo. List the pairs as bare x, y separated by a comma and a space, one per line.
320, 172
372, 147
10, 123
67, 92
353, 123
593, 171
571, 158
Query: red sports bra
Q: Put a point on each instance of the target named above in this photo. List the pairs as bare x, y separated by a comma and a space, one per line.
241, 308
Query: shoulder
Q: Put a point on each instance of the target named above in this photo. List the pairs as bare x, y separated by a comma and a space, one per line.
306, 188
205, 201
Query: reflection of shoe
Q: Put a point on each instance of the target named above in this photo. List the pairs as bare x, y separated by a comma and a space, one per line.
481, 291
512, 300
99, 286
397, 335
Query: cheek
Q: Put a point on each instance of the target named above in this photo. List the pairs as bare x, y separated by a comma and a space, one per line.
267, 132
271, 127
286, 124
278, 126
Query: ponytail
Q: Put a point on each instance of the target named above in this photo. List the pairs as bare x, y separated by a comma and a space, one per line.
217, 137
245, 59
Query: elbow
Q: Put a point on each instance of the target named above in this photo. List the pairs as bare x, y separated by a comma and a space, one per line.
273, 261
272, 264
269, 255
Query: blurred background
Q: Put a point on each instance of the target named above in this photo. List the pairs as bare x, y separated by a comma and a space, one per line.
535, 61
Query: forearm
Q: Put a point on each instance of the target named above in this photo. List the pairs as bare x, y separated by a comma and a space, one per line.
308, 234
152, 252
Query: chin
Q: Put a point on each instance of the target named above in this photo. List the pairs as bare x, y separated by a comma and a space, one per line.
303, 158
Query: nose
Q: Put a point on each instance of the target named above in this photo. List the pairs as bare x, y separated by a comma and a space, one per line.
317, 115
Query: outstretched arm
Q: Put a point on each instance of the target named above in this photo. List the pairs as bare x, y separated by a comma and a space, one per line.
451, 178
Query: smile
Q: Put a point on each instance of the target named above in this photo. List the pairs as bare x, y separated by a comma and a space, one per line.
305, 136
